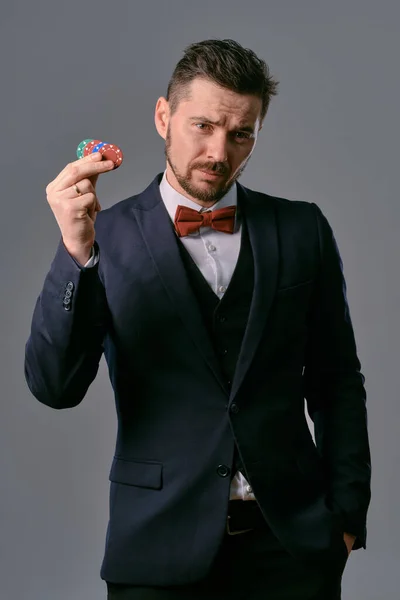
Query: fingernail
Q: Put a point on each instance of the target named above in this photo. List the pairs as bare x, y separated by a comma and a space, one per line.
95, 155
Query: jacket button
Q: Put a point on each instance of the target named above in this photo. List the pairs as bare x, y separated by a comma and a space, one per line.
234, 408
223, 470
66, 301
69, 286
67, 294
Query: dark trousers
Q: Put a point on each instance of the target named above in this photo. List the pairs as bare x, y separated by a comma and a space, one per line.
251, 566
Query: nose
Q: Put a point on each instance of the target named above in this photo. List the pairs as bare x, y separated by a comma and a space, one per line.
217, 150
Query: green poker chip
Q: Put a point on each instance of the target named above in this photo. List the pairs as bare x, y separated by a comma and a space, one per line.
81, 147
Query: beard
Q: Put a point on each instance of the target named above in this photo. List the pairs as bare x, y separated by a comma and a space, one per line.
215, 190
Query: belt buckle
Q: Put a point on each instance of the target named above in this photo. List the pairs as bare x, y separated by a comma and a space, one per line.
230, 532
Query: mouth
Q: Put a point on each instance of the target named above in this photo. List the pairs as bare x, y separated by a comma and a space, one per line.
211, 174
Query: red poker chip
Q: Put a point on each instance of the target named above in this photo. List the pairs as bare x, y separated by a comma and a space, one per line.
89, 147
112, 152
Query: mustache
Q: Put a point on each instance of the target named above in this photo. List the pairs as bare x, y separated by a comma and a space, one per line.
217, 168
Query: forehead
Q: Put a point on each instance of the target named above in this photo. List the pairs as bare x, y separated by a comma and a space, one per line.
215, 101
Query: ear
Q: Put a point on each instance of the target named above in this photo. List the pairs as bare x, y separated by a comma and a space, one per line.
161, 117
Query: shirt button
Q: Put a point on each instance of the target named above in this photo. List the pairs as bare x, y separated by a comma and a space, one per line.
222, 289
234, 408
221, 318
249, 489
211, 248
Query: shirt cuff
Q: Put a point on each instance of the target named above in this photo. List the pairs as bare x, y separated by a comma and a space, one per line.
93, 260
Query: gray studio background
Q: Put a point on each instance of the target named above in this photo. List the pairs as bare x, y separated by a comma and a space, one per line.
72, 70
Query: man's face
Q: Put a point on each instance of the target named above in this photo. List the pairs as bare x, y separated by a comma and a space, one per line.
208, 140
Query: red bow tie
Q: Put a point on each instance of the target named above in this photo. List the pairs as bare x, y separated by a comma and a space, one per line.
188, 220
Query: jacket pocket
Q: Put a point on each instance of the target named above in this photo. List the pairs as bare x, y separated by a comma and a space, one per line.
299, 286
145, 474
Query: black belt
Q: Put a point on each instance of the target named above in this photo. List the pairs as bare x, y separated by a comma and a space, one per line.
244, 516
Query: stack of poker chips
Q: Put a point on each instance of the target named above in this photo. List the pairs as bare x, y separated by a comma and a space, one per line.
109, 151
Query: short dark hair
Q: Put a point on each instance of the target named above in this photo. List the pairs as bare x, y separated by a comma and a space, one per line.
226, 63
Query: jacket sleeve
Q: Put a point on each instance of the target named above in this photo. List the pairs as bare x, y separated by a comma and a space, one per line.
69, 323
335, 392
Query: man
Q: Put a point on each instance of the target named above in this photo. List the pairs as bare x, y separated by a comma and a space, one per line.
219, 310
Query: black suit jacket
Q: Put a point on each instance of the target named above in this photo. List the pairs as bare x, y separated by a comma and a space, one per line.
177, 420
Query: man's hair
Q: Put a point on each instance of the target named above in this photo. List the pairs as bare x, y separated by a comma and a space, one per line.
226, 63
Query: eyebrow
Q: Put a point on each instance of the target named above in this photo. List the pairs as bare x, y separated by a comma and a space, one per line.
246, 128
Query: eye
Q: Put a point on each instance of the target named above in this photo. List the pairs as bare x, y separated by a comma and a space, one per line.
202, 126
241, 135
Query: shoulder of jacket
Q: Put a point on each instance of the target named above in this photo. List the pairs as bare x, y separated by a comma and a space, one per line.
286, 204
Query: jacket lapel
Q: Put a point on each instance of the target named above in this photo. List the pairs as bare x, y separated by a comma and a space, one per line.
160, 238
259, 213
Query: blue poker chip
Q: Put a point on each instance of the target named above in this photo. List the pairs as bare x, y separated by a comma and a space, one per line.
97, 148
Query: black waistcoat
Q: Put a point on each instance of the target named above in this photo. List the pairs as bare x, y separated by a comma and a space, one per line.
226, 319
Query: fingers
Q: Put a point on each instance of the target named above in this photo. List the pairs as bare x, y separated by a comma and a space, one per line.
86, 204
76, 172
72, 202
94, 158
78, 202
94, 179
88, 166
85, 186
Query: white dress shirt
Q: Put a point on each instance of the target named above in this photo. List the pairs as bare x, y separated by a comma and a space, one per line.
215, 254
